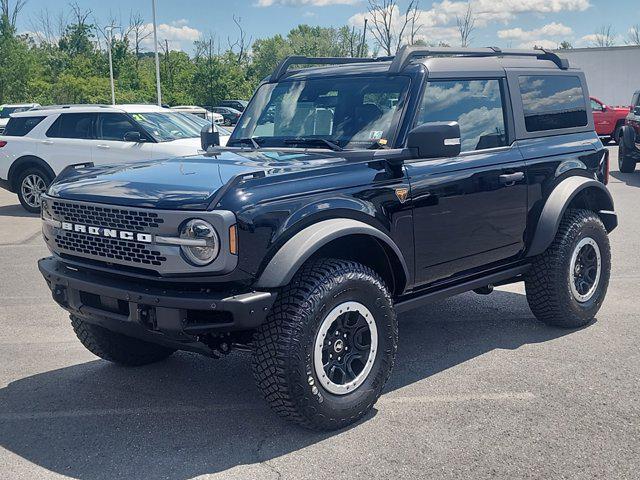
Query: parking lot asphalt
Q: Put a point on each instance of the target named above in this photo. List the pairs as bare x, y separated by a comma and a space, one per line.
480, 390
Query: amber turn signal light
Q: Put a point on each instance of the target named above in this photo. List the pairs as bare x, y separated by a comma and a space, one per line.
233, 239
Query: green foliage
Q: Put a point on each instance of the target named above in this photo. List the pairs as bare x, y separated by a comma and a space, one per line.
76, 70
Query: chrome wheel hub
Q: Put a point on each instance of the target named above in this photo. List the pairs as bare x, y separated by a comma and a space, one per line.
32, 188
584, 270
345, 348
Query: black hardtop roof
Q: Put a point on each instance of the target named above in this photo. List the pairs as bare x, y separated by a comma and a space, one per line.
437, 58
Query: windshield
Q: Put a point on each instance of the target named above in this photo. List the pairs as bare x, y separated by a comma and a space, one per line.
6, 111
165, 127
350, 112
200, 122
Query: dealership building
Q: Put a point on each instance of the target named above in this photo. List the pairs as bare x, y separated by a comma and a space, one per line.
613, 73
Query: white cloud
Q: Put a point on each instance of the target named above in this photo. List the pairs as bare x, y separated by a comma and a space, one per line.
311, 3
548, 36
178, 34
439, 21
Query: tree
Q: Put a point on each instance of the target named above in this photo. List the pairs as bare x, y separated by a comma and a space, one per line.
389, 32
605, 37
565, 45
466, 25
633, 37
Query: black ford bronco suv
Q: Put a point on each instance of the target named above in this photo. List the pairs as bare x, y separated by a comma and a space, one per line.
351, 191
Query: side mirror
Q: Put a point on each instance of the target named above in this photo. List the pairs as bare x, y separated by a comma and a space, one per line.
132, 137
604, 107
435, 140
209, 137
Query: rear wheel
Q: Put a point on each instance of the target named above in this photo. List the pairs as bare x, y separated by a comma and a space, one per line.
32, 183
567, 284
328, 347
117, 348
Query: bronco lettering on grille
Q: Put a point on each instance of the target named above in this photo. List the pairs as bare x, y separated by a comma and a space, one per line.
107, 232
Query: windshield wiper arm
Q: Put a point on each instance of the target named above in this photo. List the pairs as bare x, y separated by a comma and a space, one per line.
312, 140
247, 140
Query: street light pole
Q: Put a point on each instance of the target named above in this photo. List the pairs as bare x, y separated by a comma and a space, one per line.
155, 45
113, 89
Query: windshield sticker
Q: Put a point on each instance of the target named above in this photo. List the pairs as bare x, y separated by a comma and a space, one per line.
375, 134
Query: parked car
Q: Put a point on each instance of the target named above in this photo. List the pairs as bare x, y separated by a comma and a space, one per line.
200, 112
40, 143
8, 108
231, 115
608, 120
629, 150
380, 186
239, 105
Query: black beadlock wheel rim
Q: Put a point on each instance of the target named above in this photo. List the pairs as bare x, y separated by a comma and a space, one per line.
585, 268
345, 348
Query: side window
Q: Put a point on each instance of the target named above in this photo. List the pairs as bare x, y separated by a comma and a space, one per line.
73, 125
20, 126
636, 100
552, 102
595, 106
113, 126
475, 104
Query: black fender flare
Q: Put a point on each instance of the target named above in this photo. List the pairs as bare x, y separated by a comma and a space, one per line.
299, 248
28, 160
557, 204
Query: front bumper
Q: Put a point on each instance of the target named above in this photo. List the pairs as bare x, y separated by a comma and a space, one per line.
170, 316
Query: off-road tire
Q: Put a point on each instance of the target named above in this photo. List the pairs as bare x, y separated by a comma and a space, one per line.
548, 284
24, 174
283, 357
117, 348
617, 134
626, 164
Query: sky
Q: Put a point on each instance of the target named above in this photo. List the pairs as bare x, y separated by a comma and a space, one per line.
503, 23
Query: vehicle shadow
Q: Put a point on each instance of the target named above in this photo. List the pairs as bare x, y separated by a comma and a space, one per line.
15, 211
190, 416
631, 179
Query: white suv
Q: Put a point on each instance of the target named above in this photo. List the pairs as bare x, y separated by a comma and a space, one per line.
38, 144
200, 112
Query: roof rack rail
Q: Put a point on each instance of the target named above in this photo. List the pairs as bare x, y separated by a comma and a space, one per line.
71, 105
408, 53
284, 65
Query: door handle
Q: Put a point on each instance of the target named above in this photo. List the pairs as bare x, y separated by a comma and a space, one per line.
510, 179
103, 146
47, 142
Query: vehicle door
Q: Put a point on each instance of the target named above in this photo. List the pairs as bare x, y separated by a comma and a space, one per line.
603, 119
469, 211
113, 131
69, 140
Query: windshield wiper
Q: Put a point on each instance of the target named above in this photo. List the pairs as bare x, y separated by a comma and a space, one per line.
312, 141
247, 140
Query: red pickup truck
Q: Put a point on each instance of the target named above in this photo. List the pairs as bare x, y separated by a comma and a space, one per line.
608, 120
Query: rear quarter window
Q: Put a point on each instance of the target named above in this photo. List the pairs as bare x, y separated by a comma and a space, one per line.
552, 102
20, 126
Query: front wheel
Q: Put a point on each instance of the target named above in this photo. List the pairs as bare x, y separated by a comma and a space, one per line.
324, 354
567, 284
117, 348
626, 164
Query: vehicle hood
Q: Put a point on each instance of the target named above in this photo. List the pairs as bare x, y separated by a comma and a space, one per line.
178, 183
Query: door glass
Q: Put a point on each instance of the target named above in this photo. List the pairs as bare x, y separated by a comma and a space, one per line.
475, 104
73, 125
114, 126
595, 106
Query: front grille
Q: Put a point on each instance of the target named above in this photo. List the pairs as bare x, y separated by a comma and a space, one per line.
107, 217
108, 248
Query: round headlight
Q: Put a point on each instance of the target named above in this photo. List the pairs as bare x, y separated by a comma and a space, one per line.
204, 244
